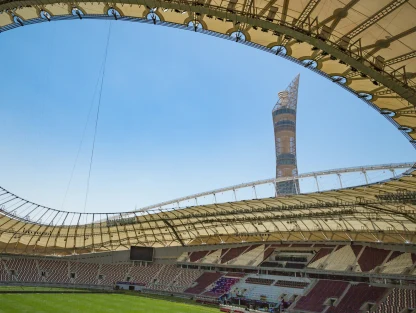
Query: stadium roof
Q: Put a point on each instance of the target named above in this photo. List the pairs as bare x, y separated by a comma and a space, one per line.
364, 46
382, 212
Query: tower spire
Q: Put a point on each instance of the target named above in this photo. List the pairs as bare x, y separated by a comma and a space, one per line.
284, 122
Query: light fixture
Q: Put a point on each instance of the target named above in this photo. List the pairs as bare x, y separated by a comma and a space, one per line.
165, 10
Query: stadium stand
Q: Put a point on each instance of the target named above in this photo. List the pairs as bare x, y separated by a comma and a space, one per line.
145, 274
212, 257
184, 280
253, 256
302, 294
291, 284
232, 274
397, 301
184, 257
268, 251
263, 288
4, 274
291, 258
198, 255
233, 253
221, 286
370, 258
398, 263
55, 271
272, 264
257, 292
259, 281
166, 277
204, 281
113, 273
361, 297
320, 257
85, 273
324, 290
294, 265
25, 270
341, 259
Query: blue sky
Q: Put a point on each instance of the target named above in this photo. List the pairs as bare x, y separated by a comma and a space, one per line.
181, 113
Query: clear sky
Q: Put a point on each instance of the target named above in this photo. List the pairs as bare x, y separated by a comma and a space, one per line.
181, 113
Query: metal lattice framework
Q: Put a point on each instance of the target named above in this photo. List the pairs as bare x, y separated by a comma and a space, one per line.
364, 46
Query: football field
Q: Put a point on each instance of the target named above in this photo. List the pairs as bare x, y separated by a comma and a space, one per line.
93, 303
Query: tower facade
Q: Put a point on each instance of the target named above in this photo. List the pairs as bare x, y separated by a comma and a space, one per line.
284, 122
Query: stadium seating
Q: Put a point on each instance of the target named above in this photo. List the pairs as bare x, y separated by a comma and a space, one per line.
398, 264
165, 278
221, 286
145, 274
257, 292
197, 255
25, 270
56, 271
371, 258
259, 281
85, 273
233, 253
235, 274
341, 259
212, 257
397, 301
272, 264
252, 256
4, 274
113, 273
261, 288
356, 297
315, 299
268, 252
291, 284
203, 282
327, 296
184, 257
184, 280
320, 257
295, 265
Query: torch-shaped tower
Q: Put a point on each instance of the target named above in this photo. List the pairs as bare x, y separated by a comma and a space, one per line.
284, 122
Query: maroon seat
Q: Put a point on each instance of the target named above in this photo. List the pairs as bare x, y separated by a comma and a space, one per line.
315, 299
203, 282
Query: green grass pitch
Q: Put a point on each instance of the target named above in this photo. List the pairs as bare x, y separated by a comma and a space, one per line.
93, 303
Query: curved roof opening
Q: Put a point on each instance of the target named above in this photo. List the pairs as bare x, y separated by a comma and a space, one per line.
170, 99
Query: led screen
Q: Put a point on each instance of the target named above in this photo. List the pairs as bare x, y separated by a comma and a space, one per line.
141, 254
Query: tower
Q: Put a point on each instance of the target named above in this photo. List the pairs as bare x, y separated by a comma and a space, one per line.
284, 122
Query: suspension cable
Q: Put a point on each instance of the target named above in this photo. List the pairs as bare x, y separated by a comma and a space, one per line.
83, 136
97, 117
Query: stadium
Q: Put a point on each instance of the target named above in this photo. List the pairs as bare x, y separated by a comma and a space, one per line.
349, 248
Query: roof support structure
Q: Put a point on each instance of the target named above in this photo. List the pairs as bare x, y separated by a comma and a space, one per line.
356, 60
391, 7
383, 211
